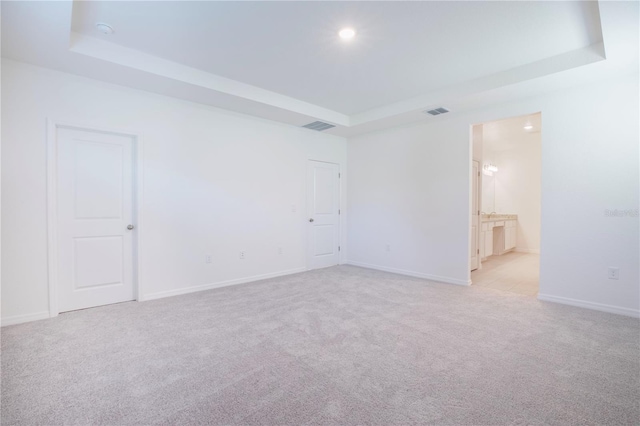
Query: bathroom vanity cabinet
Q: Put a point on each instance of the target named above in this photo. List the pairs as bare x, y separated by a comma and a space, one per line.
498, 234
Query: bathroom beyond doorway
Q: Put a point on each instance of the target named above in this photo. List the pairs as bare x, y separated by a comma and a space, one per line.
506, 228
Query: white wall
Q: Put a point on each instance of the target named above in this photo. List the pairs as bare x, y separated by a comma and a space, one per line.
409, 187
235, 179
214, 182
518, 184
477, 143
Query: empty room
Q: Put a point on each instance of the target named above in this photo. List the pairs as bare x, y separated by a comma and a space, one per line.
329, 213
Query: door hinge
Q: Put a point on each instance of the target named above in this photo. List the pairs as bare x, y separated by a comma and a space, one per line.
338, 211
339, 176
478, 251
338, 248
478, 174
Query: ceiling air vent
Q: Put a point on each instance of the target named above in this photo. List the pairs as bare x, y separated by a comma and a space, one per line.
437, 111
319, 126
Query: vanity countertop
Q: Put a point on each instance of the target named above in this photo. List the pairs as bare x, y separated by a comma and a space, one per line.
494, 217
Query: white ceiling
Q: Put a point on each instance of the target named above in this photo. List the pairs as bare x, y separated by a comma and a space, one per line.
284, 61
499, 135
401, 49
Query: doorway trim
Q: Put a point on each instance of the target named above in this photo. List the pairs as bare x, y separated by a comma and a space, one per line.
52, 205
478, 186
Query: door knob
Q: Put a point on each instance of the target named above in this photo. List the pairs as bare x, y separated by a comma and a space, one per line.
311, 220
130, 227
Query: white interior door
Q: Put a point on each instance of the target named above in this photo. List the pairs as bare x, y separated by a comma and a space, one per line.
95, 209
323, 208
475, 217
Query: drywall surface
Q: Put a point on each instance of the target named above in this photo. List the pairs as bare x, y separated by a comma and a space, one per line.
410, 208
477, 143
214, 182
409, 191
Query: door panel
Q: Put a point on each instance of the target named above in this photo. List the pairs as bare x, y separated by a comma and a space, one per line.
488, 243
323, 204
98, 180
91, 273
95, 206
324, 240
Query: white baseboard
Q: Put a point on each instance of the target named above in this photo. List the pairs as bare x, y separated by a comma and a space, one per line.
19, 319
590, 305
524, 250
187, 290
430, 277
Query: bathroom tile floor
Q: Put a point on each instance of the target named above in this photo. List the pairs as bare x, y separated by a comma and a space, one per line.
512, 272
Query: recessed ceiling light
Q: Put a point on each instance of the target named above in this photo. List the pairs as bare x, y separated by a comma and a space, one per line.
347, 33
104, 28
528, 127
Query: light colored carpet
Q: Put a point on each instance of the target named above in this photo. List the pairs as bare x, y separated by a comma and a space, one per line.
342, 345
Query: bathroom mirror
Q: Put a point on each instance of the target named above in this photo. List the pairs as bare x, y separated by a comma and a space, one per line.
488, 193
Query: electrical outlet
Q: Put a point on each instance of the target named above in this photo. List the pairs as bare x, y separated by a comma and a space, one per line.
242, 255
387, 247
614, 273
208, 258
294, 208
279, 250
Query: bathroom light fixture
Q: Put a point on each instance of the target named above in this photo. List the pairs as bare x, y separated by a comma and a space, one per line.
104, 28
347, 33
491, 168
528, 127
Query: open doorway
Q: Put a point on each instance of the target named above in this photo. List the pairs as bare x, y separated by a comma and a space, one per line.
507, 226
